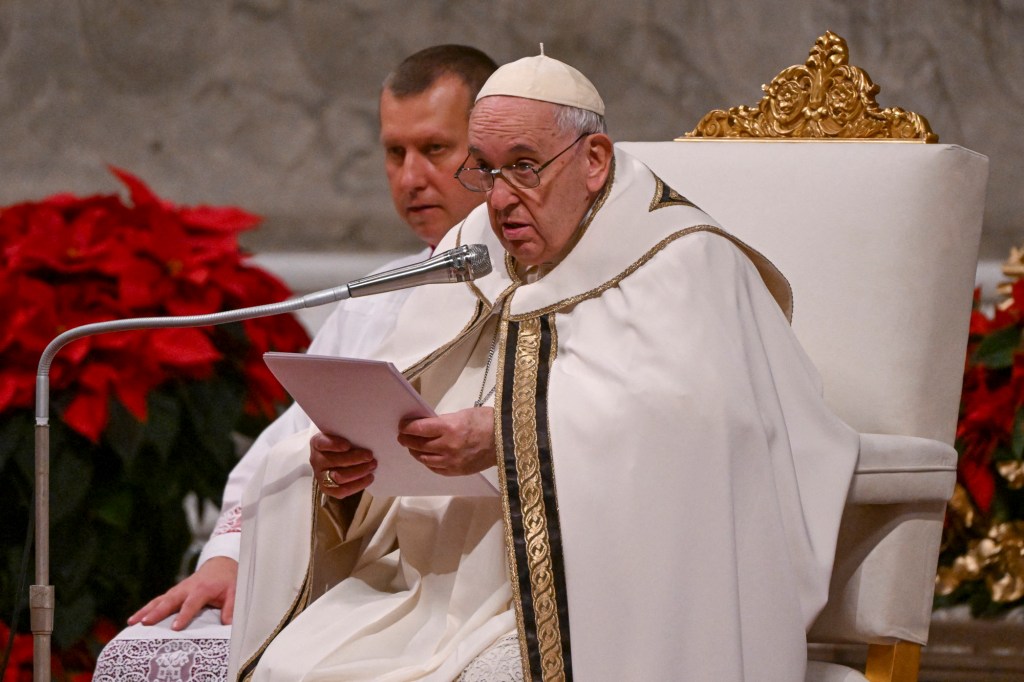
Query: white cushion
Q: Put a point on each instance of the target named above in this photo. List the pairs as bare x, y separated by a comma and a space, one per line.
818, 671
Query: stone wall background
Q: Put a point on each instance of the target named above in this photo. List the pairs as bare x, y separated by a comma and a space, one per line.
271, 104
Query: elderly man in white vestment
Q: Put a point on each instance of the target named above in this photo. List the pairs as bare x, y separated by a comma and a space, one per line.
669, 481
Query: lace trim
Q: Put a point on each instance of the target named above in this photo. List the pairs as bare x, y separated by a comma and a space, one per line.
229, 522
498, 663
162, 660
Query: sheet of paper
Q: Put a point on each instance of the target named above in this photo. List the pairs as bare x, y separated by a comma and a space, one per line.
364, 401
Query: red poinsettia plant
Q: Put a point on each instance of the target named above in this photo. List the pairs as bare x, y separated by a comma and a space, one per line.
68, 261
982, 560
139, 419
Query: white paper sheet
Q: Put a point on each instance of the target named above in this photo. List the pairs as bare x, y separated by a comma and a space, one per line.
364, 401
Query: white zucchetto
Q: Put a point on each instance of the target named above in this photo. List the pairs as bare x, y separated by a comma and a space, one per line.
544, 79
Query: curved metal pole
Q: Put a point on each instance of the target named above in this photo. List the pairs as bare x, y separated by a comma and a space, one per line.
461, 264
41, 595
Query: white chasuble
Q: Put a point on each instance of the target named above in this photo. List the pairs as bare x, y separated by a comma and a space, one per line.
671, 482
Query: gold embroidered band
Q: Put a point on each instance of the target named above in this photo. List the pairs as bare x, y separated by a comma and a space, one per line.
533, 531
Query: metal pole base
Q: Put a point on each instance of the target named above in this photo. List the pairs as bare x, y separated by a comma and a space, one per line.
40, 605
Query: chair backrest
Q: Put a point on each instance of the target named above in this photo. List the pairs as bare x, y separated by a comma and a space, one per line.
879, 240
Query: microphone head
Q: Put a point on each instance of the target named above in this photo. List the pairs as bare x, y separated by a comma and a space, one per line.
470, 261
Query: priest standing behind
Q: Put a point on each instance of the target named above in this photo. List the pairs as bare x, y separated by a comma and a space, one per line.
424, 111
670, 482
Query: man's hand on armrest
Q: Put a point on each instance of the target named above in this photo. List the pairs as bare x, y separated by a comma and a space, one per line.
213, 584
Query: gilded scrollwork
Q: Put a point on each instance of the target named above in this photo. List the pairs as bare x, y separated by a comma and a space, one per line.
997, 558
825, 98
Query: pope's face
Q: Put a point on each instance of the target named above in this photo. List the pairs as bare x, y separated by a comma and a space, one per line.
424, 140
534, 225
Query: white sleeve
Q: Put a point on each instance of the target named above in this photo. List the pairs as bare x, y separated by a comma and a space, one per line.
226, 544
355, 328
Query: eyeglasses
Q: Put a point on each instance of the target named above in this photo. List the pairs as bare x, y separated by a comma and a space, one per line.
521, 175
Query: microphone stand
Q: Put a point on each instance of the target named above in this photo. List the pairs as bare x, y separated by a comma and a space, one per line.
41, 595
460, 264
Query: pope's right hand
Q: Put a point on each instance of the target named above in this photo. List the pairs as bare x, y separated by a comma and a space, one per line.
341, 469
213, 584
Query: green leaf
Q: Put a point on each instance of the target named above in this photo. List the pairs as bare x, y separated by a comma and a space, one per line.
75, 551
16, 434
70, 479
73, 619
1000, 511
116, 509
164, 422
214, 406
997, 349
124, 433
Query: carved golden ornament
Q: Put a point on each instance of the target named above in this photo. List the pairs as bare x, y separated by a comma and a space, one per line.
961, 507
1013, 471
1014, 269
826, 98
998, 558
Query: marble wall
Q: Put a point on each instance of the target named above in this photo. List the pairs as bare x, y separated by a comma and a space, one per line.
271, 104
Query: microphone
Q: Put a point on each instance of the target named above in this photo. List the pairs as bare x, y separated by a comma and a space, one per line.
461, 264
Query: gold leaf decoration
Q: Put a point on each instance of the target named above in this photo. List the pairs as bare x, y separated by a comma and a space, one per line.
1014, 269
998, 558
1013, 471
825, 98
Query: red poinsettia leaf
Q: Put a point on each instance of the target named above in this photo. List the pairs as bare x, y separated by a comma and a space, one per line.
64, 201
275, 333
979, 482
97, 377
980, 324
88, 414
104, 630
227, 219
139, 284
183, 347
251, 286
20, 663
132, 395
8, 390
195, 300
265, 392
139, 191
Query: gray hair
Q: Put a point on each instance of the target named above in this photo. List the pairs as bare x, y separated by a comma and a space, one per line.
574, 121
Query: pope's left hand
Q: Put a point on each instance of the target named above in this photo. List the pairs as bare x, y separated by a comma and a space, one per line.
453, 444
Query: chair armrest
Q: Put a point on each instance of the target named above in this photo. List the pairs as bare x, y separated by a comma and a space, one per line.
884, 575
901, 470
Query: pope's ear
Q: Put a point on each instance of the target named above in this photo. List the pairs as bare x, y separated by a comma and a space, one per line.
599, 160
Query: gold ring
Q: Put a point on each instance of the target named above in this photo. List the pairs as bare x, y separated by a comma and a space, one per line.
327, 482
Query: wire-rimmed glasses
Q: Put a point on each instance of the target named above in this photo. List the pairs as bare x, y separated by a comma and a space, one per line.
522, 175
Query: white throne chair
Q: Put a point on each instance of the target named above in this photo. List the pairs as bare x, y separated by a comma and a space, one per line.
877, 228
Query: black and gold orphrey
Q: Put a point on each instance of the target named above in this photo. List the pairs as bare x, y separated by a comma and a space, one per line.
666, 196
533, 531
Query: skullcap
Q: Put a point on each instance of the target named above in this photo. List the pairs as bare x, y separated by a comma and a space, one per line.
544, 79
